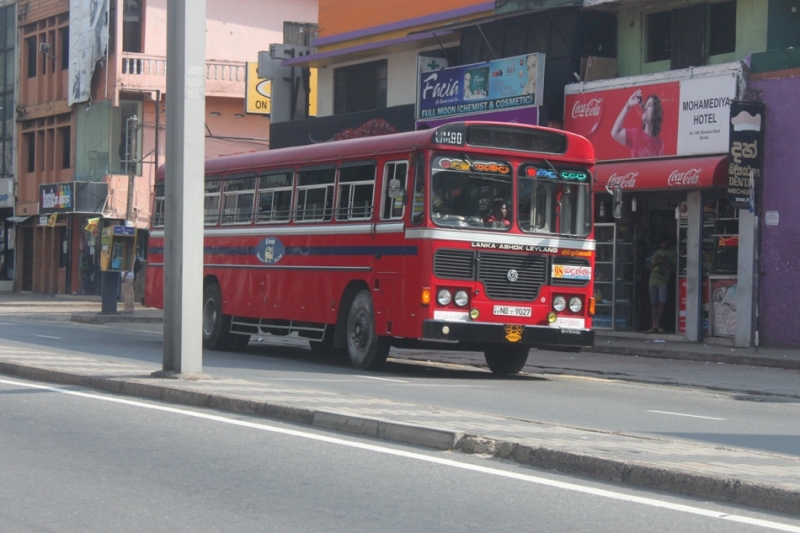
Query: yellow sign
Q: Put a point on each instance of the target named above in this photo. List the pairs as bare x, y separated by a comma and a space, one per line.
51, 220
514, 332
91, 224
258, 92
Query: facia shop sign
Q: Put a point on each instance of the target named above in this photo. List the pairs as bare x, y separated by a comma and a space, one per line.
493, 86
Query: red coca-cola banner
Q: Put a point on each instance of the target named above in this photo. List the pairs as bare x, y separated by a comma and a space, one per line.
684, 173
613, 120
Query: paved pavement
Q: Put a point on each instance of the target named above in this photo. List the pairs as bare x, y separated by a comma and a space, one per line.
764, 480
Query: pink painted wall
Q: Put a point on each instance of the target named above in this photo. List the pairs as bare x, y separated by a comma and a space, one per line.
236, 31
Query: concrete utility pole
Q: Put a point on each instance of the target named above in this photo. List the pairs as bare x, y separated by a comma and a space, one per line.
183, 228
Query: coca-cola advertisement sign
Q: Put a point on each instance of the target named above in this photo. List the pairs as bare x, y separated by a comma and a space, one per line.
588, 112
653, 118
623, 181
684, 178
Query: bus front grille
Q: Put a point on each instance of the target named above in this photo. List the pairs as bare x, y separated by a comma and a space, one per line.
494, 270
454, 264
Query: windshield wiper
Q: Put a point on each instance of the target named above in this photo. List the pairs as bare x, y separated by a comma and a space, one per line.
549, 164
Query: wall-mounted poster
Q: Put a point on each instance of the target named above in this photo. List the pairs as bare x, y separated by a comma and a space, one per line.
88, 44
654, 117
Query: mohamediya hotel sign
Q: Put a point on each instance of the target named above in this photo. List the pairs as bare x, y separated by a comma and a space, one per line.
502, 84
677, 113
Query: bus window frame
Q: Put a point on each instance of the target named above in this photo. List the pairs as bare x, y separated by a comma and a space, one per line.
259, 215
327, 210
419, 197
237, 219
209, 219
159, 204
391, 203
552, 220
352, 187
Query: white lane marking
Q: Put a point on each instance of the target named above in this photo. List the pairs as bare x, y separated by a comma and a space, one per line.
603, 493
683, 414
48, 337
383, 379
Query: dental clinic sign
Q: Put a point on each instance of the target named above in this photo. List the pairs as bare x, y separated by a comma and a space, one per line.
498, 85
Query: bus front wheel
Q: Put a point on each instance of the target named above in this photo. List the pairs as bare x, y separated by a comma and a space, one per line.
505, 359
216, 326
366, 349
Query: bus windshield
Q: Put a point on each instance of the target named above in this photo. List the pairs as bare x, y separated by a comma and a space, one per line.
474, 194
554, 200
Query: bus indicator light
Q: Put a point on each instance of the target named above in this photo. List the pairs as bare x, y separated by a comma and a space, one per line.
425, 299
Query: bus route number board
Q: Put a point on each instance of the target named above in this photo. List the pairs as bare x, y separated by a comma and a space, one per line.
504, 310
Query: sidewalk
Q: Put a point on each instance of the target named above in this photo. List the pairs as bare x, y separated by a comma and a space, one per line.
763, 480
86, 309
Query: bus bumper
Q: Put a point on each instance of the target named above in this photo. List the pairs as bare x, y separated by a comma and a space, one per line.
485, 333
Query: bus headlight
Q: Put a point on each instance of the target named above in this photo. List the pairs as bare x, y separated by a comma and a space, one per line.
575, 304
461, 299
559, 303
444, 297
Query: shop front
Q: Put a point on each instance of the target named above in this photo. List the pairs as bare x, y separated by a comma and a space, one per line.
680, 258
661, 198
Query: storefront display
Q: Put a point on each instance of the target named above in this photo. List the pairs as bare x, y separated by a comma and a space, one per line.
614, 280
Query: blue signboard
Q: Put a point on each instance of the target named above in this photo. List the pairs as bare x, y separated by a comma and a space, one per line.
493, 86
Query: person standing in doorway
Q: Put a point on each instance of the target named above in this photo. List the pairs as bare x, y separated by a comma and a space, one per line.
661, 267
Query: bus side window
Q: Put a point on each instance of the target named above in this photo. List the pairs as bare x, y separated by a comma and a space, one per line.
158, 209
239, 194
394, 208
275, 197
418, 205
315, 195
356, 192
213, 188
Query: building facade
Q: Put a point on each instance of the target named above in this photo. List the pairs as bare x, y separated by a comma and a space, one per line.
90, 119
691, 61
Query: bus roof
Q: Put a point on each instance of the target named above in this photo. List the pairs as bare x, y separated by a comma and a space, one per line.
329, 152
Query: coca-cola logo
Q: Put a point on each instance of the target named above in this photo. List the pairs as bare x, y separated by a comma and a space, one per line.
625, 181
587, 113
683, 179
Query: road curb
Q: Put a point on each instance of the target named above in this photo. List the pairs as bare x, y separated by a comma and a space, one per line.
704, 357
643, 475
100, 318
632, 473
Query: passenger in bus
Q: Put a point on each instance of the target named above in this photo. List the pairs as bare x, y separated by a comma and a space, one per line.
498, 217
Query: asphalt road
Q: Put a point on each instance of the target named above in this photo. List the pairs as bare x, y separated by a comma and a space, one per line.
766, 423
74, 460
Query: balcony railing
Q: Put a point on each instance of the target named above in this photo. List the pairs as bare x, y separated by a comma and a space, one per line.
142, 70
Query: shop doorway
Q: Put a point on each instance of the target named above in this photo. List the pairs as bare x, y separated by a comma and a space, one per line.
27, 259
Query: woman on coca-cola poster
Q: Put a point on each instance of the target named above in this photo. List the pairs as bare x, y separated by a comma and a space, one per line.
644, 141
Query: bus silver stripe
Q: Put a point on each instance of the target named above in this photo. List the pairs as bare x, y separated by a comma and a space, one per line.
283, 267
320, 229
411, 233
474, 236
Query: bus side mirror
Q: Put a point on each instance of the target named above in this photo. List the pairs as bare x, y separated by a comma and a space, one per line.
617, 202
394, 188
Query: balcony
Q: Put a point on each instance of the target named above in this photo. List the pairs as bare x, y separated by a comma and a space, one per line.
145, 72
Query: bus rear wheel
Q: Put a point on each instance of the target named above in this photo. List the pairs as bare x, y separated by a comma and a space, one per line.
216, 326
366, 349
505, 359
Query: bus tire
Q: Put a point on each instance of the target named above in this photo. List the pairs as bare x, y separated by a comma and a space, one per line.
505, 359
366, 349
216, 326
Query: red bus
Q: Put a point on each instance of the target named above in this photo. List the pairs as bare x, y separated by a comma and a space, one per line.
471, 236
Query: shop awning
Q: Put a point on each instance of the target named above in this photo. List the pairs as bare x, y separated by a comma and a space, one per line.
688, 173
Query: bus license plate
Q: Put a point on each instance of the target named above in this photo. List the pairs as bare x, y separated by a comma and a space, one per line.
504, 310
